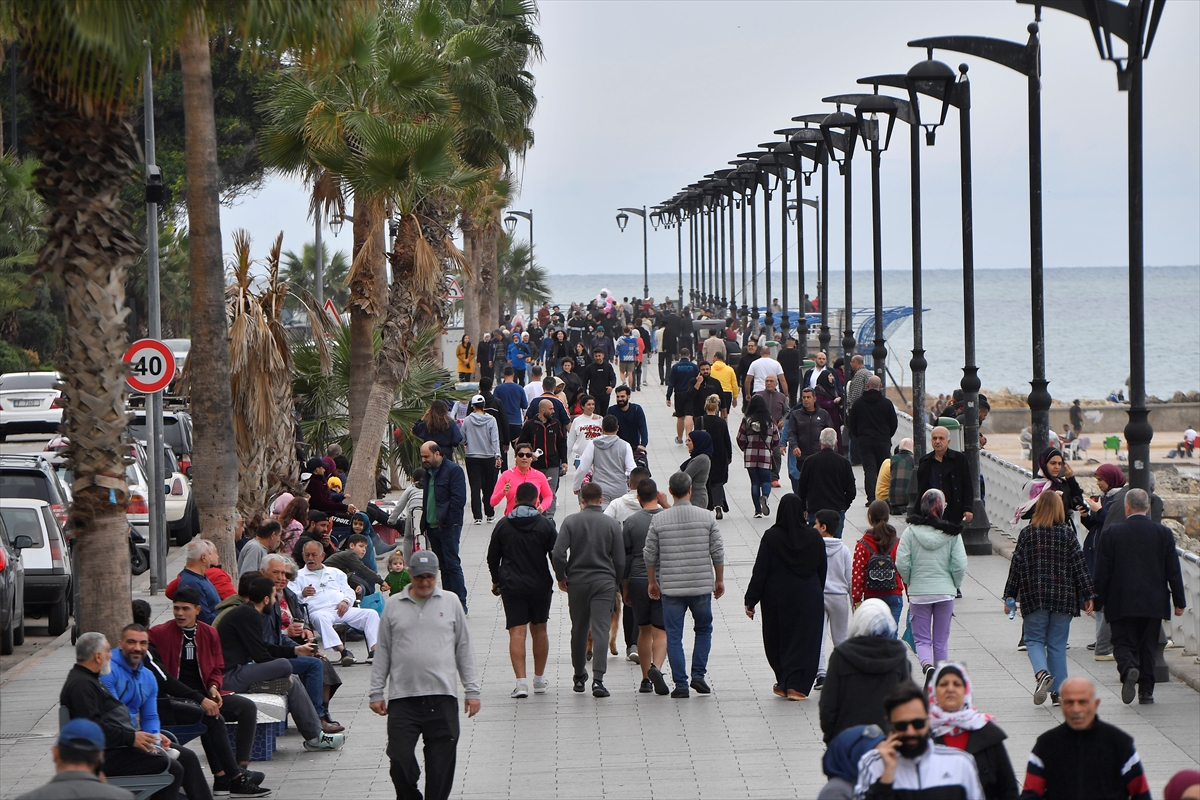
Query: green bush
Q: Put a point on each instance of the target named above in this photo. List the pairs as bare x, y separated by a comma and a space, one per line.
38, 331
12, 359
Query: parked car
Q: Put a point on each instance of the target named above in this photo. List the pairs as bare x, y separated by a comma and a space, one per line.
47, 561
12, 595
35, 476
183, 520
177, 434
30, 403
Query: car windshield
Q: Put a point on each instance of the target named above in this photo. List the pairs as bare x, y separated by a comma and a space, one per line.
23, 522
28, 484
172, 431
37, 380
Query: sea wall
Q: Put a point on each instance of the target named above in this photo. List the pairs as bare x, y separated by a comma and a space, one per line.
1104, 419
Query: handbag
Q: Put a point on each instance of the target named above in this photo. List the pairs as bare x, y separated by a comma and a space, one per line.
907, 638
373, 601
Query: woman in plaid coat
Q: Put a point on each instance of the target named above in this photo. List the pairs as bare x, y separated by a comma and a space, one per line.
758, 437
1049, 578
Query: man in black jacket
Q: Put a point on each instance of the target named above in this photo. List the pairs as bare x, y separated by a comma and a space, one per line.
703, 385
320, 529
827, 481
872, 423
249, 659
1137, 573
599, 379
545, 433
947, 470
518, 558
127, 751
805, 424
444, 500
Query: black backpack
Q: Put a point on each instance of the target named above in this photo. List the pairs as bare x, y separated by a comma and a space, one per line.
880, 574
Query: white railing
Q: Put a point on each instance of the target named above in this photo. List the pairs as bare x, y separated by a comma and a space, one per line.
1007, 486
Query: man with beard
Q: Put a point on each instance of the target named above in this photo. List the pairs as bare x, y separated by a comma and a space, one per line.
600, 380
907, 764
749, 357
631, 420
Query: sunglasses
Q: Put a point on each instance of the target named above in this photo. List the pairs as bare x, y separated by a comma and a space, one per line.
524, 455
901, 725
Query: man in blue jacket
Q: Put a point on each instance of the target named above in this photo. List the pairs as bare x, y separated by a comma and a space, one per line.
632, 420
679, 381
137, 689
445, 499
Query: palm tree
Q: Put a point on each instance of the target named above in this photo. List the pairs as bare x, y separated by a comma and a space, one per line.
300, 273
521, 279
21, 233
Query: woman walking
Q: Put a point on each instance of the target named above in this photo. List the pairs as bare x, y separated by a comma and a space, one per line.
466, 355
829, 397
581, 357
712, 423
521, 472
586, 426
875, 573
560, 348
698, 466
1049, 578
932, 563
482, 437
789, 581
438, 426
862, 670
955, 722
758, 437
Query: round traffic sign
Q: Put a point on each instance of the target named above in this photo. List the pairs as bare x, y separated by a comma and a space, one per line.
152, 364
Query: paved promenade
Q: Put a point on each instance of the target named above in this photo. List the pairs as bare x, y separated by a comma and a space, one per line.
741, 741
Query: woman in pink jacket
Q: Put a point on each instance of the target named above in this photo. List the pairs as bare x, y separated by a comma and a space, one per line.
521, 472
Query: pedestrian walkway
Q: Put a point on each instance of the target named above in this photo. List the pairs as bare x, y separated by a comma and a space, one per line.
739, 742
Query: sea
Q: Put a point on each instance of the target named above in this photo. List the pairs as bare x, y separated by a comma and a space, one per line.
1086, 324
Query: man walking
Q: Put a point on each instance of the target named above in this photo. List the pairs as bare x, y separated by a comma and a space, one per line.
757, 373
872, 423
1084, 757
517, 559
1137, 573
424, 646
777, 407
609, 459
947, 470
827, 481
645, 613
790, 360
683, 553
549, 442
631, 420
627, 353
513, 398
810, 377
856, 384
589, 555
679, 382
445, 499
599, 379
805, 424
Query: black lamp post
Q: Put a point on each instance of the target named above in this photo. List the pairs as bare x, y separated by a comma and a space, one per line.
805, 143
823, 336
622, 221
847, 126
767, 167
1135, 24
797, 208
741, 181
510, 223
784, 160
749, 171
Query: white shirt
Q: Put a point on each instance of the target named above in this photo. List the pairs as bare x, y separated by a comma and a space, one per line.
1189, 436
583, 430
760, 369
624, 507
532, 390
330, 583
816, 373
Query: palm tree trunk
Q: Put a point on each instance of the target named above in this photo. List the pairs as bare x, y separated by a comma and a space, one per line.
471, 294
214, 481
489, 300
368, 296
86, 157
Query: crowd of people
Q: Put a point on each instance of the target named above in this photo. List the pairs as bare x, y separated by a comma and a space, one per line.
633, 561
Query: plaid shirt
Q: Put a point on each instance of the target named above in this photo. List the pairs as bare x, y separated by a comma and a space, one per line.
903, 468
756, 446
1048, 571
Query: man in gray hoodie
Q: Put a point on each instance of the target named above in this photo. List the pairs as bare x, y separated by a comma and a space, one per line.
609, 459
683, 550
589, 556
482, 441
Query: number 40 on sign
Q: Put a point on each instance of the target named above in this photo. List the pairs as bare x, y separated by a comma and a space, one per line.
152, 365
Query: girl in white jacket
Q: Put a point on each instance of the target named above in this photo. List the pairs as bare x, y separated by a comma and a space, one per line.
584, 427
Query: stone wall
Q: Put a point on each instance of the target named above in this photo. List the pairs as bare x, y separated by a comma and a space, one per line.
1106, 419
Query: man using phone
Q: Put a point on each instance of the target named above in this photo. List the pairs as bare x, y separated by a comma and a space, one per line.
907, 763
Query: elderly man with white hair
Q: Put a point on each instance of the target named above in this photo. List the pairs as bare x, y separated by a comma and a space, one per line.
200, 555
327, 595
827, 481
948, 471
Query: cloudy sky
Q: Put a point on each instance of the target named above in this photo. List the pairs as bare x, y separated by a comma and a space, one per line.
638, 99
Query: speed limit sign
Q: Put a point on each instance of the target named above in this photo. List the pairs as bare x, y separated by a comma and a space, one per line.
152, 365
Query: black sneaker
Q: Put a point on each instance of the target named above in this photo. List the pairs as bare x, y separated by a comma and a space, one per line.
598, 689
1054, 701
579, 682
646, 686
929, 670
240, 787
1044, 679
252, 776
660, 684
347, 658
220, 785
680, 691
1145, 699
700, 686
1129, 685
1092, 646
819, 683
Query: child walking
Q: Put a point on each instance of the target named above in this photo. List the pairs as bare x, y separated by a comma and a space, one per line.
837, 587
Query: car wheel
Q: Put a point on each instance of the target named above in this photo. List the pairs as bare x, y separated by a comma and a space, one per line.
139, 561
59, 617
184, 533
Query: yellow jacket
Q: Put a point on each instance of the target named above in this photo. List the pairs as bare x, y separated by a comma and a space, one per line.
727, 377
466, 361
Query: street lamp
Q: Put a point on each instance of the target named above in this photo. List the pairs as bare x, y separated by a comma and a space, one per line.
748, 170
622, 220
796, 212
823, 336
876, 142
846, 126
510, 223
768, 167
805, 143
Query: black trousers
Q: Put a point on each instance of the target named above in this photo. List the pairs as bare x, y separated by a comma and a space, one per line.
215, 741
135, 761
664, 366
434, 718
1134, 641
481, 474
873, 451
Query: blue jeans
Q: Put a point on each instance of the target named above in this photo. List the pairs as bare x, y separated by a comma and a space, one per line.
444, 543
311, 673
674, 609
896, 603
812, 520
1046, 635
760, 485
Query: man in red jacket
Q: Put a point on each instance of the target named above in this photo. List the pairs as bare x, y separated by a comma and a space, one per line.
190, 655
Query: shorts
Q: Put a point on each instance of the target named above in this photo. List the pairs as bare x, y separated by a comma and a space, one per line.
526, 609
645, 610
679, 410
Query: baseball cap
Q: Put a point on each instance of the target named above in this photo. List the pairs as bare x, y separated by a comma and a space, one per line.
477, 400
81, 734
423, 562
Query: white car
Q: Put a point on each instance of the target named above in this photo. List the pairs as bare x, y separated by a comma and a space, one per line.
30, 403
47, 561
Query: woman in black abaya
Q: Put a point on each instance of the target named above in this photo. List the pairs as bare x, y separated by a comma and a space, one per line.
789, 582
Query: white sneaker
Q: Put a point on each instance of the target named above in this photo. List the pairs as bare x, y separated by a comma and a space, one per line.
326, 741
522, 690
540, 684
632, 655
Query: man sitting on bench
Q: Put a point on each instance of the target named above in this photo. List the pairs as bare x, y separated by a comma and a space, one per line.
327, 595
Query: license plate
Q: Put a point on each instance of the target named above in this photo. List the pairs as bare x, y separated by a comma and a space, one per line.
26, 403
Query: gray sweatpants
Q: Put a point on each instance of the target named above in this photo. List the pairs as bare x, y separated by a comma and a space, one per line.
837, 621
552, 475
591, 607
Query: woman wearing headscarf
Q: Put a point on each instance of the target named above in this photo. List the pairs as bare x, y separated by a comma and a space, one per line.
698, 466
862, 670
722, 453
955, 722
932, 561
1050, 579
840, 763
829, 397
758, 437
1057, 476
789, 581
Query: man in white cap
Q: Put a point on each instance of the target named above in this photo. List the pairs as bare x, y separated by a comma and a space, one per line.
424, 647
481, 440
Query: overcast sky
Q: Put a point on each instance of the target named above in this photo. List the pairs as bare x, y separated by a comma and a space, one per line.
638, 99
